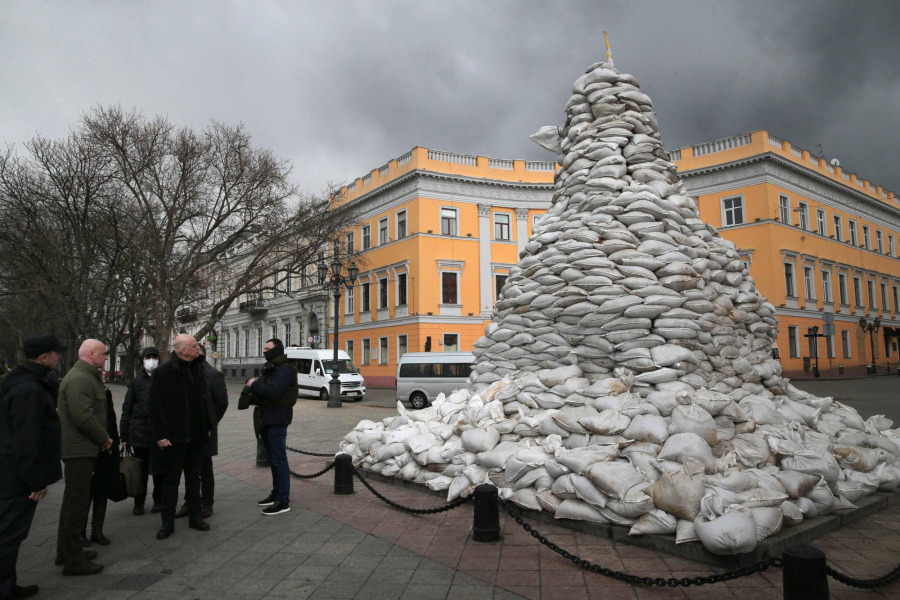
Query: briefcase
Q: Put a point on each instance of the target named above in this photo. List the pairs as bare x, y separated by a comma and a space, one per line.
132, 469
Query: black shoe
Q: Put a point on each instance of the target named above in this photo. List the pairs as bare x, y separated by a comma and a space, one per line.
277, 509
206, 512
97, 537
269, 501
182, 512
84, 568
85, 543
165, 531
88, 555
24, 591
138, 511
198, 524
156, 508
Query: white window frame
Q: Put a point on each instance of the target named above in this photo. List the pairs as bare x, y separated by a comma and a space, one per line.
350, 350
405, 343
793, 341
404, 220
829, 346
456, 274
384, 284
891, 249
803, 211
896, 298
821, 223
826, 286
350, 242
444, 341
728, 213
509, 224
867, 237
350, 301
784, 207
870, 289
287, 333
397, 277
364, 297
535, 218
366, 352
843, 293
497, 286
838, 228
384, 231
845, 344
884, 296
384, 348
790, 290
879, 241
455, 231
809, 283
365, 237
858, 292
854, 233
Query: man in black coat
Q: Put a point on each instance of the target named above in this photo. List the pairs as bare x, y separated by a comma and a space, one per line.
215, 383
134, 427
275, 393
182, 418
30, 448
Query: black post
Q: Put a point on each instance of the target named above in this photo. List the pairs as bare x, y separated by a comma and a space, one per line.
804, 574
872, 339
486, 521
334, 386
343, 475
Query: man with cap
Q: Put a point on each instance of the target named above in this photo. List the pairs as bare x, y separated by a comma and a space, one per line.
29, 452
134, 427
83, 419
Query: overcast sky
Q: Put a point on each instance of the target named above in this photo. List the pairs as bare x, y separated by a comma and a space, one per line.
340, 87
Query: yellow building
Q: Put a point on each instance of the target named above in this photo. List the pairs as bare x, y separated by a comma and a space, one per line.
817, 238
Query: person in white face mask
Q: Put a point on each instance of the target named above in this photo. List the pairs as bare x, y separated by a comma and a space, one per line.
134, 427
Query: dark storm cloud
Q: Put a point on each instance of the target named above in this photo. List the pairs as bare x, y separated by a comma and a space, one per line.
341, 87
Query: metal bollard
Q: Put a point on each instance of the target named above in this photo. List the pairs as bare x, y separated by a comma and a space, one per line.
343, 475
804, 574
486, 525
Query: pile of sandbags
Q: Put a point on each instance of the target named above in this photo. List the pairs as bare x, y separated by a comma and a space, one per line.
626, 375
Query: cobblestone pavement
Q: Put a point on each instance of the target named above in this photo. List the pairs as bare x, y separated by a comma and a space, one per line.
357, 547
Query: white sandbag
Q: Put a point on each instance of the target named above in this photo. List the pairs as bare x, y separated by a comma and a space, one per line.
548, 500
690, 418
497, 457
613, 478
684, 532
690, 445
732, 533
858, 459
585, 490
526, 498
655, 522
795, 483
647, 428
579, 459
762, 497
679, 493
791, 513
822, 498
439, 484
608, 422
578, 510
768, 521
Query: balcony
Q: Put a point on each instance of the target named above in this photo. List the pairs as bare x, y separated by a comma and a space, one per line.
255, 306
186, 315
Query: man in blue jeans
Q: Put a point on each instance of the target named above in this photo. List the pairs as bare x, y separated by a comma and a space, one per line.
275, 392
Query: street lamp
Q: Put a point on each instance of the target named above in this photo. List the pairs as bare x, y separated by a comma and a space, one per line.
872, 329
335, 282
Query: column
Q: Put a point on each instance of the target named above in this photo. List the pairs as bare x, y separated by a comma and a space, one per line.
484, 258
521, 228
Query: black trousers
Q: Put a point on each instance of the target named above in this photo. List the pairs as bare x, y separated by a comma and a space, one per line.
16, 514
178, 458
207, 483
73, 513
144, 455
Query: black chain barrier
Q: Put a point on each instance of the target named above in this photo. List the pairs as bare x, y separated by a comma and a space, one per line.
634, 579
314, 475
310, 453
413, 511
885, 579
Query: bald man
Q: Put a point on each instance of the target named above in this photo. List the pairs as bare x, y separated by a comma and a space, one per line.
82, 416
182, 417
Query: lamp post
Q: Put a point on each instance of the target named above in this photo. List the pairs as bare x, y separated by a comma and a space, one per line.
335, 282
872, 329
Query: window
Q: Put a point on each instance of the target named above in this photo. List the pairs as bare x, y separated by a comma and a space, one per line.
401, 289
535, 219
288, 281
789, 280
451, 342
350, 350
401, 224
896, 299
853, 238
448, 221
367, 352
809, 283
884, 297
879, 242
891, 246
826, 286
227, 344
383, 351
366, 237
803, 209
303, 278
401, 346
845, 343
350, 243
838, 229
499, 282
365, 297
383, 293
784, 204
829, 346
733, 210
842, 287
857, 291
821, 227
870, 287
501, 226
382, 232
448, 288
793, 342
246, 342
259, 344
274, 327
866, 241
287, 334
349, 301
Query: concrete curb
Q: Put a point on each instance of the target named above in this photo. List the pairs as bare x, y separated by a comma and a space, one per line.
771, 547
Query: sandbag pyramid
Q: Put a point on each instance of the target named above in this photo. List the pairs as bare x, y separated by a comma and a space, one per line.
627, 376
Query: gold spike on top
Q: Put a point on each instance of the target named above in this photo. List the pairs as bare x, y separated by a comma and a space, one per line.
608, 51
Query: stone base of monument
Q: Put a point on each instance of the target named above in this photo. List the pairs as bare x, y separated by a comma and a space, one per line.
806, 532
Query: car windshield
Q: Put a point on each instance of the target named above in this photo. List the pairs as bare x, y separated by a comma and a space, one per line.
344, 366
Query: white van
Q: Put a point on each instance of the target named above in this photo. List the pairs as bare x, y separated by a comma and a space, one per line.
421, 376
314, 368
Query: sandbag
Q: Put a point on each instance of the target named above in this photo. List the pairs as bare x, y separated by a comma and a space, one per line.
732, 533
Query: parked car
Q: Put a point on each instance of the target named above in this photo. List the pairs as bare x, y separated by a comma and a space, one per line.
314, 373
421, 376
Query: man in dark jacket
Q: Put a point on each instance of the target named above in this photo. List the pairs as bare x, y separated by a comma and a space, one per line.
134, 427
218, 392
182, 418
29, 452
276, 394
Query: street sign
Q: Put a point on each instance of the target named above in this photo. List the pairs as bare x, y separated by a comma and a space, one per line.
828, 318
828, 329
215, 355
309, 339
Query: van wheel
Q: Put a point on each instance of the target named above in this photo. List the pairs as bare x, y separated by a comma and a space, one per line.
418, 401
323, 395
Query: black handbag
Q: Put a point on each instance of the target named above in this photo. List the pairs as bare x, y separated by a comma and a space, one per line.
131, 468
107, 481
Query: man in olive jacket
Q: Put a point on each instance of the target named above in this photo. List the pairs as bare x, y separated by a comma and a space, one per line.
29, 452
83, 418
